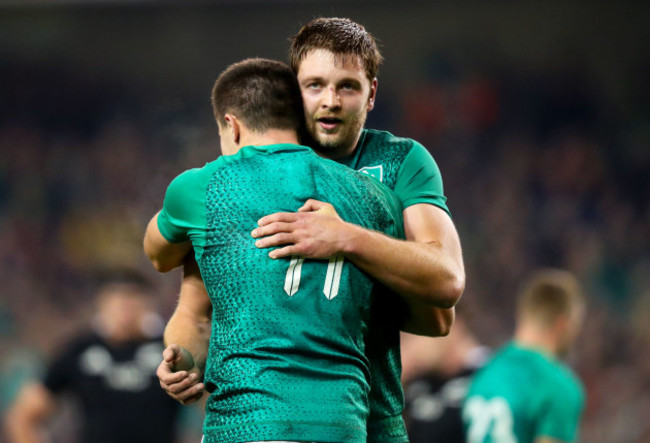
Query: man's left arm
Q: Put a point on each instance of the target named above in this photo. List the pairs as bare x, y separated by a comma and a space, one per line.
426, 270
164, 255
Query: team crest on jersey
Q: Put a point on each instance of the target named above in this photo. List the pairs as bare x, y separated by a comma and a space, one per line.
374, 171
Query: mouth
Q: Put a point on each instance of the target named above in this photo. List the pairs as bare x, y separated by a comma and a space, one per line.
329, 123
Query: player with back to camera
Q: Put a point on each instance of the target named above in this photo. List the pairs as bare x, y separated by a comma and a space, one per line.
336, 61
286, 356
525, 394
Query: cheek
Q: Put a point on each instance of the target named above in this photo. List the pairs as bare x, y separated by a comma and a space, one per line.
357, 106
309, 103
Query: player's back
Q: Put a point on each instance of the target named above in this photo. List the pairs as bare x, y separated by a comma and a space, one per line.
287, 350
522, 394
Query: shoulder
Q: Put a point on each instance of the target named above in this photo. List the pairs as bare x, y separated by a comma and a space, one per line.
374, 139
407, 155
190, 182
195, 175
565, 381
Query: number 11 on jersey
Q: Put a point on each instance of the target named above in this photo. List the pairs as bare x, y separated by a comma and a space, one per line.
332, 278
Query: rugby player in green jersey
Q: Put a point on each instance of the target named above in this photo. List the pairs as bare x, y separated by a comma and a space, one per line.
287, 350
524, 394
336, 61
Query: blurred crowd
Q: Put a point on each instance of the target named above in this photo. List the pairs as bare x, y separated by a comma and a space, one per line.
539, 170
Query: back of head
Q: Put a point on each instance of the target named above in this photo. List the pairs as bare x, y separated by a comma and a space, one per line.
551, 303
342, 37
264, 94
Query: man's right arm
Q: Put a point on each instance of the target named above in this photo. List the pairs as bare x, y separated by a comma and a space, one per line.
25, 419
187, 337
164, 255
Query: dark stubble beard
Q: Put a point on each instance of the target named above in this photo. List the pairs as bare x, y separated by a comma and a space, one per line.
340, 147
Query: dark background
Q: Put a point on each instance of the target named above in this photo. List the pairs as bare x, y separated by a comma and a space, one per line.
538, 116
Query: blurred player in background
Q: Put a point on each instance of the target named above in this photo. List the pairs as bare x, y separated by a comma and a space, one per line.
286, 354
436, 374
525, 394
109, 371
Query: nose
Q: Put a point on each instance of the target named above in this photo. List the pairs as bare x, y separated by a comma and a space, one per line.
331, 99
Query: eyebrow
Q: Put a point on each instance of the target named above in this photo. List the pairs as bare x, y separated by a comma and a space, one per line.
322, 80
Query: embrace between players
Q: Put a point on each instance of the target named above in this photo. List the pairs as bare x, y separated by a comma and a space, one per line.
300, 271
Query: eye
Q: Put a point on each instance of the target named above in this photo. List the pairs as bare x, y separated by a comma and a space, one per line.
313, 85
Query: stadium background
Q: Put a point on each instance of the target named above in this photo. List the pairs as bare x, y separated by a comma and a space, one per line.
538, 115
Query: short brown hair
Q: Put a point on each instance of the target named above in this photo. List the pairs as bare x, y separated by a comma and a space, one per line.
548, 295
263, 93
342, 37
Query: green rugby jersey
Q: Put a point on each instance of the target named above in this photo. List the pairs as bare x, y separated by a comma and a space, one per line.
522, 394
287, 353
407, 168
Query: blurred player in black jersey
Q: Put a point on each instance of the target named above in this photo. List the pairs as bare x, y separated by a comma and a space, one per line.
436, 374
109, 371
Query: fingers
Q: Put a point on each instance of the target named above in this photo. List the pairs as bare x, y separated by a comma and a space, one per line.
286, 217
182, 386
185, 396
273, 228
167, 377
287, 251
171, 352
275, 240
192, 399
312, 205
176, 385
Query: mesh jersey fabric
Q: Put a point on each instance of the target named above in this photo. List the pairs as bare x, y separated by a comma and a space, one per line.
407, 168
287, 357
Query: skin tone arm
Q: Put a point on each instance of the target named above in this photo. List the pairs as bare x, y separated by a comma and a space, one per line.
187, 337
426, 270
33, 406
187, 333
164, 255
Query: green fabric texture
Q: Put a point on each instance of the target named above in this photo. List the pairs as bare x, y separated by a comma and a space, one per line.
407, 168
287, 357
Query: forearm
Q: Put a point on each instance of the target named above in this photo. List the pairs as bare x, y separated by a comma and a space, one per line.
191, 333
428, 320
422, 273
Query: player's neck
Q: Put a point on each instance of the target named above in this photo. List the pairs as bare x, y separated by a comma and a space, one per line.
269, 137
536, 338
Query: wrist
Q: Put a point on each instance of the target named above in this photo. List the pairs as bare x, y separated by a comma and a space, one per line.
353, 239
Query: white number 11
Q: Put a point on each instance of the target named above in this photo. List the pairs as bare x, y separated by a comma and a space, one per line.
332, 279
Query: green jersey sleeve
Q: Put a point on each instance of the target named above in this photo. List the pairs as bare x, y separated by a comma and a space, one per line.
183, 212
419, 180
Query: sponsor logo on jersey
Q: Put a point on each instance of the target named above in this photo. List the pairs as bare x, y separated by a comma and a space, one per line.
374, 171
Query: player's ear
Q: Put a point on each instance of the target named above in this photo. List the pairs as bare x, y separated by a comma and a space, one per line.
373, 94
234, 127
